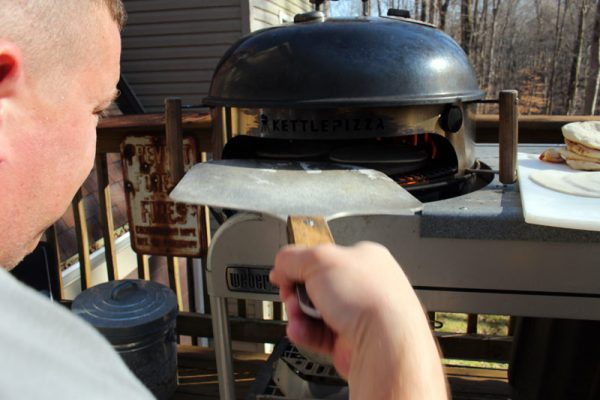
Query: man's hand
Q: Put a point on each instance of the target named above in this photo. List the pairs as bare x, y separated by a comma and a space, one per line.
373, 325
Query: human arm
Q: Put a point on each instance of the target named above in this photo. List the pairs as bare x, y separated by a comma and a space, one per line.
373, 326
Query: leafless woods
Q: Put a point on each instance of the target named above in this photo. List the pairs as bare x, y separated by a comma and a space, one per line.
547, 49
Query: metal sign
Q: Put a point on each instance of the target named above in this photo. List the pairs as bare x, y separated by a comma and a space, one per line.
159, 225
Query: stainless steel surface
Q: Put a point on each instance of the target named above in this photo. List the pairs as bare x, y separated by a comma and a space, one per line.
495, 276
222, 340
283, 189
341, 62
338, 123
507, 277
332, 127
294, 188
473, 253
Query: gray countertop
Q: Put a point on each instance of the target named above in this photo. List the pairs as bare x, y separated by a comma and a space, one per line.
492, 213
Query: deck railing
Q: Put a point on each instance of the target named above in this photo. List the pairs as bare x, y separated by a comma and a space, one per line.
112, 131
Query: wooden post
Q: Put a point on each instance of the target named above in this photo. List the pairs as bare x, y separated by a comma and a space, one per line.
174, 138
106, 217
472, 323
52, 240
512, 322
174, 146
241, 308
143, 268
189, 263
277, 311
83, 244
218, 131
508, 135
175, 280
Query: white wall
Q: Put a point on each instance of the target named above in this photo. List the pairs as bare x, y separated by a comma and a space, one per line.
266, 13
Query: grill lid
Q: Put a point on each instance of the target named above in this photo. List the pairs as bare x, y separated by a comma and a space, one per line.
380, 61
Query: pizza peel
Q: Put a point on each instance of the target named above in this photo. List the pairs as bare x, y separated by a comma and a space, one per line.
305, 194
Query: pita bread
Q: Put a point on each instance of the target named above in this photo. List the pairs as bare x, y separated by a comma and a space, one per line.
577, 161
586, 184
586, 133
565, 154
583, 165
583, 150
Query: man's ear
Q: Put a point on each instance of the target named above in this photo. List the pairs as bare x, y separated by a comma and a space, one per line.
11, 62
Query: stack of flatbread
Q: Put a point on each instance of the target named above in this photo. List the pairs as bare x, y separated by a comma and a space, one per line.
582, 146
582, 152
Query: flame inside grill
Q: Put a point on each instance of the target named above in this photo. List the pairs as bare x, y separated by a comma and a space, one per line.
408, 180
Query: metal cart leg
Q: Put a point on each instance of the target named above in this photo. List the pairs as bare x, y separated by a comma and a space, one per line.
222, 340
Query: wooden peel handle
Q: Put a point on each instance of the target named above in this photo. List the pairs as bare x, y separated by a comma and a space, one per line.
308, 231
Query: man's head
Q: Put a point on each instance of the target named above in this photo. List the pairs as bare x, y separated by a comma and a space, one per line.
59, 66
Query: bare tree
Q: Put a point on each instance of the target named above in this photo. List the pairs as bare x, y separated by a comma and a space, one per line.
474, 18
466, 25
507, 64
593, 81
442, 9
476, 35
535, 60
481, 42
431, 13
366, 8
423, 7
548, 49
559, 28
489, 72
576, 59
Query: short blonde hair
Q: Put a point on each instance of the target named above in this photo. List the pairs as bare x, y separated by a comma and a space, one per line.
53, 35
117, 11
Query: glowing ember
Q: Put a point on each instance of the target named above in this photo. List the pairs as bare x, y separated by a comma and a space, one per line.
407, 180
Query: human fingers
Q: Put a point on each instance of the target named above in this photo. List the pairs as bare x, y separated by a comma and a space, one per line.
311, 266
293, 264
333, 275
307, 332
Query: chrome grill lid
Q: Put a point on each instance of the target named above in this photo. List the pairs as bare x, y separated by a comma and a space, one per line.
357, 62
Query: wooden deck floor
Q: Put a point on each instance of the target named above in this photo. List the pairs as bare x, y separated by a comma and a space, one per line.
198, 377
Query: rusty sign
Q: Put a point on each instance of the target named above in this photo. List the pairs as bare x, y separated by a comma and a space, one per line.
157, 224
